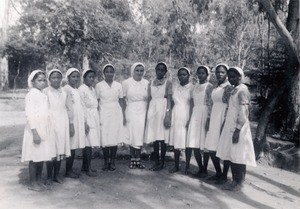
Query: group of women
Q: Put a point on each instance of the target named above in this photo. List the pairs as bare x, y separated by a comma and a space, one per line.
196, 118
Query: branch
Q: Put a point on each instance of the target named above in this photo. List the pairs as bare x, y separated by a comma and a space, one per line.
282, 30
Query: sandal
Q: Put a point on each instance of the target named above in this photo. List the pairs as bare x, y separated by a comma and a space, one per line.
132, 164
139, 165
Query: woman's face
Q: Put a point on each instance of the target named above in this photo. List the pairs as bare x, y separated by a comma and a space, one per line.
89, 78
55, 79
221, 74
109, 73
40, 82
74, 79
202, 75
138, 73
183, 76
160, 71
234, 77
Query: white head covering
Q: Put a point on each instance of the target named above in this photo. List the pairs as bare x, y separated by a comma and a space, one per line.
239, 70
207, 70
108, 65
185, 68
162, 63
134, 66
224, 65
86, 71
31, 76
70, 71
52, 71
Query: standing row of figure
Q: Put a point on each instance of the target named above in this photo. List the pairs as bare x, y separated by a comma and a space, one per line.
192, 117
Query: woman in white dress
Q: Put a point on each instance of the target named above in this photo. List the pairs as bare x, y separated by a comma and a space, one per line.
201, 96
59, 131
77, 119
135, 91
181, 113
236, 143
36, 144
159, 115
90, 105
112, 115
220, 96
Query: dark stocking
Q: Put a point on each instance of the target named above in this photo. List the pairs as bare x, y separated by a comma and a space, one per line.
198, 157
205, 161
225, 168
163, 152
188, 154
32, 172
50, 166
39, 171
216, 162
176, 157
70, 161
105, 156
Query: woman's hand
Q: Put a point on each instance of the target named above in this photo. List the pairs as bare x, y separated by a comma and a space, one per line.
72, 130
167, 120
86, 128
236, 136
207, 124
36, 137
124, 121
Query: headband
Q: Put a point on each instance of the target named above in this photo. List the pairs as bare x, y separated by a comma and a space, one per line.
31, 76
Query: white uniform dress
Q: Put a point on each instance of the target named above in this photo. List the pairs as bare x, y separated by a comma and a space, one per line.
243, 151
155, 129
197, 133
77, 117
136, 93
180, 115
37, 116
217, 117
111, 116
59, 129
90, 104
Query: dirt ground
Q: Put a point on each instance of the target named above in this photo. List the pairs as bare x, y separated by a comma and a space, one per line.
265, 186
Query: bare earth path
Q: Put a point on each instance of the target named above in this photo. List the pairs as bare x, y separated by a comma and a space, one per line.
265, 187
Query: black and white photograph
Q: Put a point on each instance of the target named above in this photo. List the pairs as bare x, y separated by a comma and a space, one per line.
149, 104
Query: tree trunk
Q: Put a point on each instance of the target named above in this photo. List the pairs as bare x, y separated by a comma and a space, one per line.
291, 74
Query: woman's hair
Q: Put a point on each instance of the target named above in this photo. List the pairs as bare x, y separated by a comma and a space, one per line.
163, 64
87, 72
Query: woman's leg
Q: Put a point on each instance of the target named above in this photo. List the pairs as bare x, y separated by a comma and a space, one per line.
49, 165
156, 155
105, 156
223, 179
56, 177
188, 154
176, 158
198, 157
87, 167
33, 185
113, 153
138, 158
39, 171
132, 164
205, 164
216, 162
69, 166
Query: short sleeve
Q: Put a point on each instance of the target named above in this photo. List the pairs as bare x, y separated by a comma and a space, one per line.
169, 88
244, 97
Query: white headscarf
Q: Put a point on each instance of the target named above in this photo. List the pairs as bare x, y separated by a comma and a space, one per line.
52, 71
108, 65
185, 68
70, 71
162, 63
224, 65
207, 70
31, 76
134, 66
240, 71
